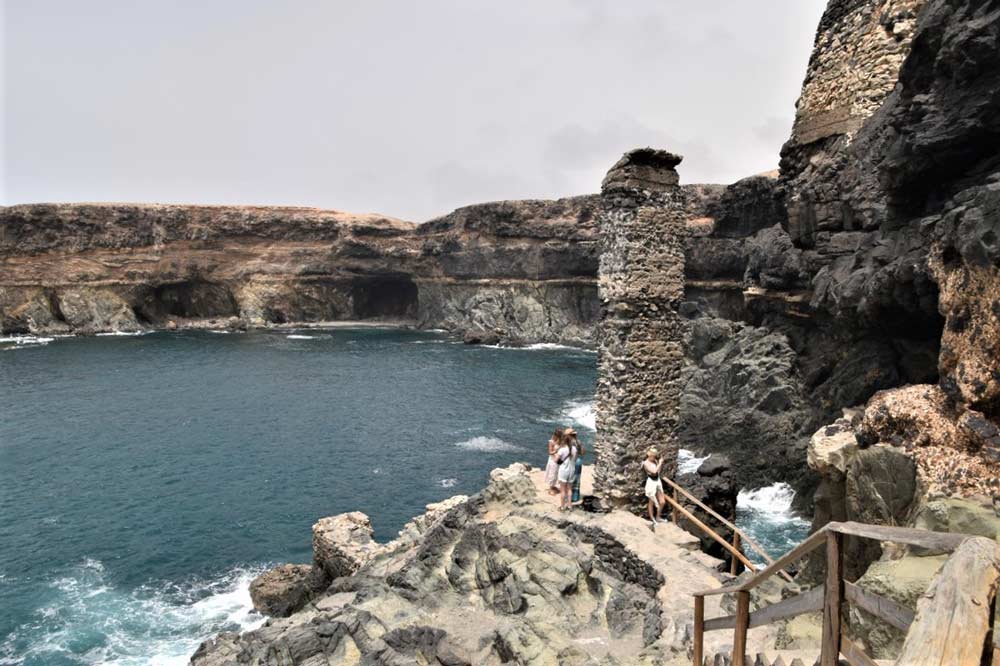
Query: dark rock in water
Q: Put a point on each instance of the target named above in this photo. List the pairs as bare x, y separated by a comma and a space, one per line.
285, 589
715, 465
481, 337
714, 484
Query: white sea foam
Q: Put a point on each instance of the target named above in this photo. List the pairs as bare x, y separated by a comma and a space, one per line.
301, 337
448, 483
487, 444
579, 412
688, 462
773, 503
130, 334
26, 340
157, 624
541, 346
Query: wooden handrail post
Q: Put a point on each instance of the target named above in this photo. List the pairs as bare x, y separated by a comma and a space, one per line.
742, 625
699, 631
830, 651
734, 567
996, 628
673, 515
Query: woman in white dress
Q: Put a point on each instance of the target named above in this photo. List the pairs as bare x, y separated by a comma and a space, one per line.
566, 459
654, 486
552, 468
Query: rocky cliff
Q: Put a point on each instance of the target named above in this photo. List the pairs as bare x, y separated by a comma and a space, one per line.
502, 577
524, 270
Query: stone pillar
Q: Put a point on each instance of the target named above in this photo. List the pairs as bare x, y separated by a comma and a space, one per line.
641, 286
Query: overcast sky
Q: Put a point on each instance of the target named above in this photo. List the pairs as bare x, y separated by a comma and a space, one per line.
404, 108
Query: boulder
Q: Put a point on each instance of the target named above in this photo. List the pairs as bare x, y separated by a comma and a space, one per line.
511, 484
953, 446
881, 489
916, 415
481, 337
285, 589
714, 484
417, 527
342, 544
960, 516
831, 448
904, 580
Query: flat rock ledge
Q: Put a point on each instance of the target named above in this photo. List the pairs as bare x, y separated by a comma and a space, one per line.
501, 577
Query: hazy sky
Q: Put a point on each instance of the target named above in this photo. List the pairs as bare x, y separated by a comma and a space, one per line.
405, 108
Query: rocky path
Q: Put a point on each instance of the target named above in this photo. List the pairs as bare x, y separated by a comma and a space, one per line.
675, 554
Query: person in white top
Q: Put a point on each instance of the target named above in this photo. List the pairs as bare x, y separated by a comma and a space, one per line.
566, 459
654, 486
551, 468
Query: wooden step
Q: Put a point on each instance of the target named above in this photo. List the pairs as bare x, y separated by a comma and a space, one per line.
777, 658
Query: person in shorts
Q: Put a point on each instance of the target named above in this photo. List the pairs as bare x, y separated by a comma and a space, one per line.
651, 466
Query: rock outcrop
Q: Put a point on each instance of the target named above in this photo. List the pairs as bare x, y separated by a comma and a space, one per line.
497, 578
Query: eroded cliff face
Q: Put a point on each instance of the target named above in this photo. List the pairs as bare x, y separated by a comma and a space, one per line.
870, 263
522, 269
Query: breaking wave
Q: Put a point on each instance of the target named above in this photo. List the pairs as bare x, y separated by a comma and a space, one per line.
542, 346
83, 618
300, 337
25, 340
130, 334
579, 412
688, 462
766, 515
487, 444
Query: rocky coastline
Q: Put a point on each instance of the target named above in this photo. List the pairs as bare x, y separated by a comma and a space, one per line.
496, 578
835, 325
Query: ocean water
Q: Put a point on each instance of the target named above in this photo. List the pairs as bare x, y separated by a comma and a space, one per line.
145, 480
765, 514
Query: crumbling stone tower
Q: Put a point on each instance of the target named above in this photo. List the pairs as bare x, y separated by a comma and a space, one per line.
641, 285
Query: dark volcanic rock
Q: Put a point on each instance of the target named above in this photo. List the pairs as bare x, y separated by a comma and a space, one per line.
714, 484
743, 396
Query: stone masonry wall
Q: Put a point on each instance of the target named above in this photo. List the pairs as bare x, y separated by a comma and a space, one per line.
641, 287
855, 63
859, 49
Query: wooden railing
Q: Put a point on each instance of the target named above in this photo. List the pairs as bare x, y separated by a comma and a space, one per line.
739, 537
827, 598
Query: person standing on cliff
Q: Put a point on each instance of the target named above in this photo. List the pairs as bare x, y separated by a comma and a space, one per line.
552, 467
654, 486
566, 459
578, 466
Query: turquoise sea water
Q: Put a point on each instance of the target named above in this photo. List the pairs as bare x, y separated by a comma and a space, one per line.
145, 480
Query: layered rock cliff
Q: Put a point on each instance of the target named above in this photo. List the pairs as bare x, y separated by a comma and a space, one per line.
522, 269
